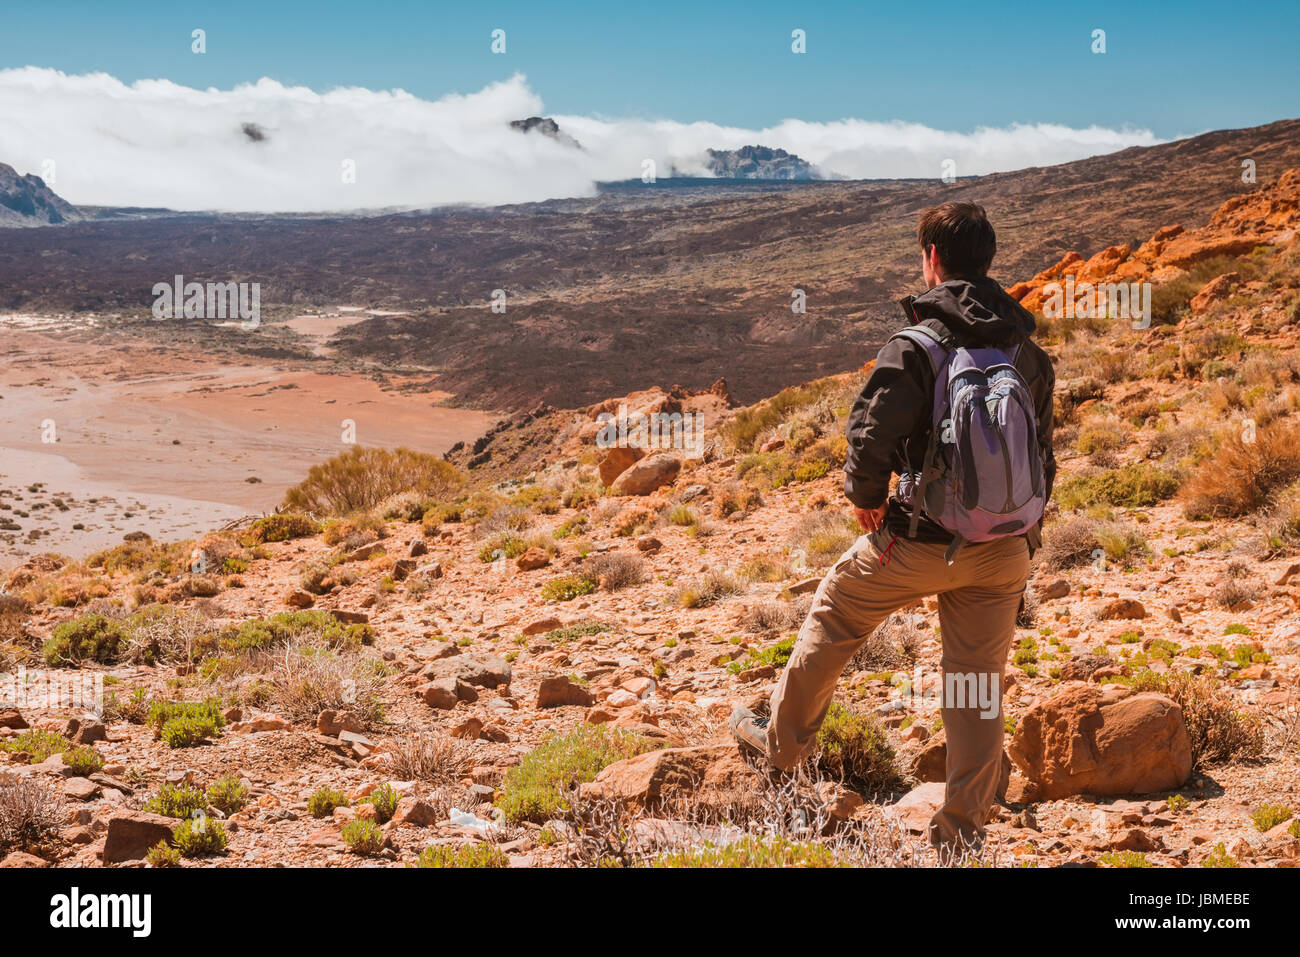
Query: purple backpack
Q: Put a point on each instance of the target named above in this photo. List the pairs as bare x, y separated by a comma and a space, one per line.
983, 473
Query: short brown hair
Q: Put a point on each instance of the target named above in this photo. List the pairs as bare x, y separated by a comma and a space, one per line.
964, 236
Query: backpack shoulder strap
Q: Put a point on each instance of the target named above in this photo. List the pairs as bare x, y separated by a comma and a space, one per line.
935, 346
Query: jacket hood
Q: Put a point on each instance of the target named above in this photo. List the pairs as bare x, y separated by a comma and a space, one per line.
976, 308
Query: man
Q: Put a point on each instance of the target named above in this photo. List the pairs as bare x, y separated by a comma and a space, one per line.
904, 558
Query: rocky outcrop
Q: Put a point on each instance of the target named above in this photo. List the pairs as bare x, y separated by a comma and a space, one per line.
27, 201
647, 475
710, 776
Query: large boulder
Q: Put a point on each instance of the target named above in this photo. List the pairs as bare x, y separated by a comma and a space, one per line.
713, 777
132, 833
559, 690
650, 473
1090, 739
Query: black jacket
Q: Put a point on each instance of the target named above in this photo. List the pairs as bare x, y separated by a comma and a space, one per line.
889, 426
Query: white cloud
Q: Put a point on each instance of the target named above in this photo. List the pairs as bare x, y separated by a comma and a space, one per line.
154, 143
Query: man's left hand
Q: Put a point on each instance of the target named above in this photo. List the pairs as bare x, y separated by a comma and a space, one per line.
871, 519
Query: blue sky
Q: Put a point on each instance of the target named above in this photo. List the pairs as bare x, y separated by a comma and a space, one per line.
1173, 68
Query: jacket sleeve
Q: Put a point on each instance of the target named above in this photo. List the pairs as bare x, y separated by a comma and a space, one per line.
892, 406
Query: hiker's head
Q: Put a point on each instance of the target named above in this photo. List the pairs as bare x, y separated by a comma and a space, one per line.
957, 242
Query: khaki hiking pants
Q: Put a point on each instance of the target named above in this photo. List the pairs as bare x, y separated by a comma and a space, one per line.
979, 596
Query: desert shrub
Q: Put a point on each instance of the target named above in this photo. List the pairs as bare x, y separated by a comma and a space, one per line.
1068, 544
1132, 486
384, 800
820, 538
279, 528
468, 855
742, 429
83, 760
1124, 859
771, 616
324, 800
1281, 523
1268, 816
504, 544
775, 655
580, 629
199, 837
894, 644
1242, 477
1219, 732
361, 478
177, 800
183, 724
540, 786
710, 588
632, 520
1122, 544
615, 570
424, 756
751, 851
228, 794
1099, 438
568, 587
309, 679
363, 837
1220, 858
736, 497
30, 812
36, 743
162, 633
1231, 593
288, 627
91, 637
682, 515
853, 748
163, 854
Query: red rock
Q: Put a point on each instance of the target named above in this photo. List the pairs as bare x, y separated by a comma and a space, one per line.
1216, 290
542, 625
712, 776
560, 690
1125, 608
1104, 741
616, 462
131, 834
416, 812
647, 475
533, 558
21, 859
333, 722
12, 718
931, 763
299, 599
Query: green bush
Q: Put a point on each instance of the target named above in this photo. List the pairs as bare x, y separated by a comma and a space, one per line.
91, 637
539, 787
183, 724
1132, 486
177, 801
324, 801
752, 851
854, 749
363, 837
777, 655
163, 854
279, 528
384, 799
1268, 816
360, 478
279, 629
568, 588
37, 743
228, 794
511, 546
83, 760
470, 855
199, 836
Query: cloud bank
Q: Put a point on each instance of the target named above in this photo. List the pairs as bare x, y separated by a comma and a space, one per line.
268, 147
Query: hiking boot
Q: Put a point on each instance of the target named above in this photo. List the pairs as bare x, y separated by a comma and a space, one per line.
750, 731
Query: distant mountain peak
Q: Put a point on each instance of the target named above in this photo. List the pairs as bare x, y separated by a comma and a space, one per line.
27, 201
547, 127
759, 162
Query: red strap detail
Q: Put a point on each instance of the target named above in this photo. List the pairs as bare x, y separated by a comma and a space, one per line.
885, 556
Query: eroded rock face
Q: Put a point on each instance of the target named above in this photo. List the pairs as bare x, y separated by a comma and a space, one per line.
1104, 741
711, 776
